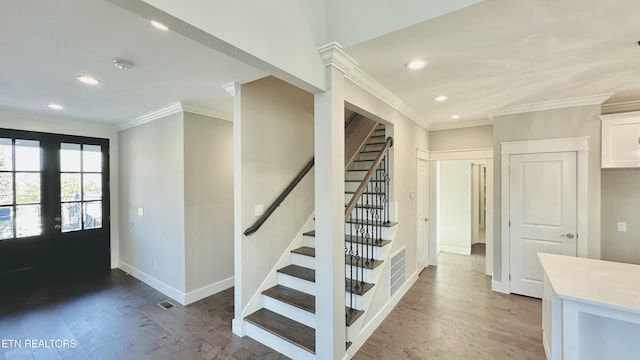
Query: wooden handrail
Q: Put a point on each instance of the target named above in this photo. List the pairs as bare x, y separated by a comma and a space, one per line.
253, 228
352, 203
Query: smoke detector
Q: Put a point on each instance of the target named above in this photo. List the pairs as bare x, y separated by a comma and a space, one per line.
122, 64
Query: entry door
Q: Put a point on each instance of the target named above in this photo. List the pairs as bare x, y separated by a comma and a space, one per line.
54, 203
422, 213
542, 210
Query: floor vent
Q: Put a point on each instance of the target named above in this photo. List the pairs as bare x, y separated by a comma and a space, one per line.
397, 271
166, 304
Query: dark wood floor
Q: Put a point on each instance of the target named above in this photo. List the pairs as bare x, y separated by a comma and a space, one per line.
449, 314
115, 316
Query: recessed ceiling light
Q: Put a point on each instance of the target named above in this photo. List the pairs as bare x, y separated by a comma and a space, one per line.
455, 117
440, 98
159, 25
55, 106
415, 64
122, 64
88, 80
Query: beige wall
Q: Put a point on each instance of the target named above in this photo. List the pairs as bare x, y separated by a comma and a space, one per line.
151, 165
621, 203
476, 137
561, 123
208, 197
276, 128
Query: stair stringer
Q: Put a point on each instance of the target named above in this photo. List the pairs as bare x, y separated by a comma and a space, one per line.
271, 279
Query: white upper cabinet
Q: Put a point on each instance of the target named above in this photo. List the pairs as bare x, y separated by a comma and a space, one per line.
621, 140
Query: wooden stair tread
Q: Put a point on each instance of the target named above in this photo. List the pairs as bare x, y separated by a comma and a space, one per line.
359, 288
285, 328
374, 223
359, 181
305, 250
352, 315
372, 242
292, 297
365, 263
299, 272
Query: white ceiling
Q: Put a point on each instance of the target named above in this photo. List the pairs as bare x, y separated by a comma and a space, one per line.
45, 44
501, 53
494, 54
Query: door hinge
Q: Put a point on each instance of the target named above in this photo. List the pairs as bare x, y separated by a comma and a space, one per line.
509, 277
509, 223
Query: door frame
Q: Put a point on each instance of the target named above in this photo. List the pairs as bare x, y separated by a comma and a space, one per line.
580, 145
485, 154
423, 155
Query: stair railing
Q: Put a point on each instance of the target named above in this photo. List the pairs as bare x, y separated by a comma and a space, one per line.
253, 228
365, 213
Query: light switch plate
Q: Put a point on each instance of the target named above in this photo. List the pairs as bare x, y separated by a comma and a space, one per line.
140, 211
622, 226
259, 210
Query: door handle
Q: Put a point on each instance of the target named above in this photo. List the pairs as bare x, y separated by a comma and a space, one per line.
568, 235
57, 226
426, 219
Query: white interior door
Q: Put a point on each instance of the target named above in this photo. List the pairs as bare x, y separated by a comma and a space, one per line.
422, 220
542, 211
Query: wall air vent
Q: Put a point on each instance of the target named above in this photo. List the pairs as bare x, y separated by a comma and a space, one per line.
397, 271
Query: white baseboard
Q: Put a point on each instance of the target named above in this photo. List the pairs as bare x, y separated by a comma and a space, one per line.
370, 327
500, 286
206, 291
166, 289
455, 250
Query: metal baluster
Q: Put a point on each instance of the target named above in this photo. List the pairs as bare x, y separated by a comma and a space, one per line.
350, 262
386, 188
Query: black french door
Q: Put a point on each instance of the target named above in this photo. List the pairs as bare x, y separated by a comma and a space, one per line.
54, 204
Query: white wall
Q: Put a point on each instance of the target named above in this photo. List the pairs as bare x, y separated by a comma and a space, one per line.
476, 137
151, 164
276, 132
208, 203
454, 222
59, 125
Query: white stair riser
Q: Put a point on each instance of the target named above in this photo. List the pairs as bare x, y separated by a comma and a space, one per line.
358, 300
309, 241
355, 175
353, 186
303, 260
290, 311
371, 198
367, 156
370, 275
377, 147
277, 343
375, 250
376, 139
362, 165
383, 232
297, 283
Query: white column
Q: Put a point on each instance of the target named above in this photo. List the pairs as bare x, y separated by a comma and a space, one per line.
237, 324
329, 205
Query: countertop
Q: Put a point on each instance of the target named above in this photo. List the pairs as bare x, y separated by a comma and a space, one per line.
604, 283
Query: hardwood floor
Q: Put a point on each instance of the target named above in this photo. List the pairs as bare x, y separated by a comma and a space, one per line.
115, 316
451, 313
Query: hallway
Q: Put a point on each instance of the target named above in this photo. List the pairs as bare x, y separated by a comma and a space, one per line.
451, 313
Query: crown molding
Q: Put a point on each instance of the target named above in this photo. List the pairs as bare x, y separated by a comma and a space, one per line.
363, 80
167, 110
621, 107
553, 104
447, 125
206, 112
333, 54
232, 88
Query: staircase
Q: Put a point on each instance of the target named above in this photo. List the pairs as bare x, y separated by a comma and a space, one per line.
286, 321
